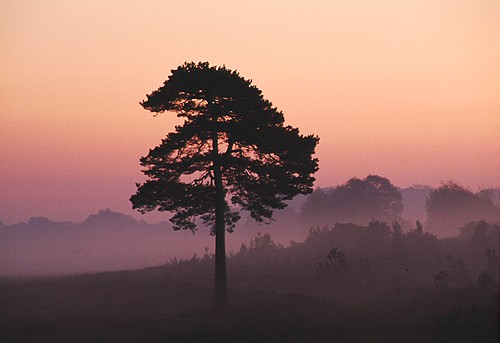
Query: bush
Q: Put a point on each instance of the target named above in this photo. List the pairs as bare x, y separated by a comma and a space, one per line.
485, 280
335, 263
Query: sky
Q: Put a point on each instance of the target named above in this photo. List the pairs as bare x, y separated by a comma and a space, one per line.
409, 90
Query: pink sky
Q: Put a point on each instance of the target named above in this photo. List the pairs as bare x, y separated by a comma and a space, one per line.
408, 90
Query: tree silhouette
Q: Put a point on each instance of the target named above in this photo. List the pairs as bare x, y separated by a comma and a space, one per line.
356, 201
233, 149
451, 206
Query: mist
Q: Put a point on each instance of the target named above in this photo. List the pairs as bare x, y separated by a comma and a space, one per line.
106, 241
112, 241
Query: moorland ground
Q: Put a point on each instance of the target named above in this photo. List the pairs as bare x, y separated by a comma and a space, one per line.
302, 293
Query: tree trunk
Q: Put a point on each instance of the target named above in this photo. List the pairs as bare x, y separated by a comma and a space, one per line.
220, 233
220, 247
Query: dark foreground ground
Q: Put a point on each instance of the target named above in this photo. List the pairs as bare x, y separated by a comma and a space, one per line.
156, 305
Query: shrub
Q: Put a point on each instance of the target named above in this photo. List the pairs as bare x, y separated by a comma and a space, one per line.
335, 263
485, 280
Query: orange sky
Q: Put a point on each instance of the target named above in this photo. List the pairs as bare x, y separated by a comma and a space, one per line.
405, 89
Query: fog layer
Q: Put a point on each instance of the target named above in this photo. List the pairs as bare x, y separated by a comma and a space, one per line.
110, 241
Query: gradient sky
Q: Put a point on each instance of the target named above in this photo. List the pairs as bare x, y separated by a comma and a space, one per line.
408, 90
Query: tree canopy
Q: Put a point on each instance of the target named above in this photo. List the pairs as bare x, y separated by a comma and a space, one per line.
451, 206
262, 161
356, 201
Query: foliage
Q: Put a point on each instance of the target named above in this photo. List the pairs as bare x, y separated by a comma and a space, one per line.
458, 272
262, 241
455, 320
357, 201
417, 240
492, 260
379, 232
335, 263
185, 263
207, 256
397, 237
419, 229
317, 208
365, 265
243, 250
485, 280
451, 206
230, 132
320, 240
376, 238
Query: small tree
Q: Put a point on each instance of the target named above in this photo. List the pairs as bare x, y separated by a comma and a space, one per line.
335, 263
233, 149
491, 260
365, 265
262, 241
485, 280
397, 238
458, 272
418, 241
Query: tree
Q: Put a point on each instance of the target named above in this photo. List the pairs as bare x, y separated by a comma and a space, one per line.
316, 210
451, 206
232, 153
374, 197
335, 263
356, 201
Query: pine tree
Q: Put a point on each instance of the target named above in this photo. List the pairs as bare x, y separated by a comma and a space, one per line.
232, 153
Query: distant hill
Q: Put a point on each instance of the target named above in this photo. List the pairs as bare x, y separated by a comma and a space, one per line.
104, 241
109, 241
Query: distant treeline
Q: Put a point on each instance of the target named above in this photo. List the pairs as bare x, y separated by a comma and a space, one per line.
378, 254
359, 201
112, 241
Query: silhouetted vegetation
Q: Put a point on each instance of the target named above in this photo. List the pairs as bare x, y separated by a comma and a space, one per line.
357, 201
233, 149
451, 206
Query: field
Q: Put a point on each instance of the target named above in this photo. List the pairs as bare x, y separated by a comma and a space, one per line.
274, 297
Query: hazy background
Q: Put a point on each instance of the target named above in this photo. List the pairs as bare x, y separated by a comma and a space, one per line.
404, 89
407, 90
